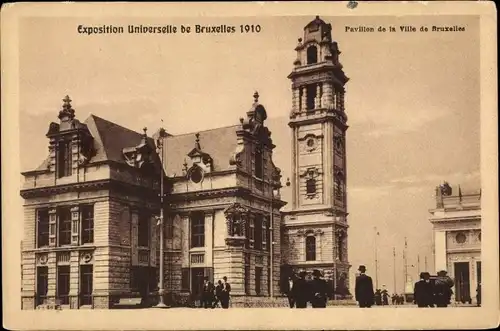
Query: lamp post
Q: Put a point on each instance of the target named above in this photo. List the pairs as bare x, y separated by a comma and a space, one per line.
161, 290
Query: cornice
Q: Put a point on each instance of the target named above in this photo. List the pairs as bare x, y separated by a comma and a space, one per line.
325, 116
104, 184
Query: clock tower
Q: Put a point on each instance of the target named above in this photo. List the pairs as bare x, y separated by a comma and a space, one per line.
315, 229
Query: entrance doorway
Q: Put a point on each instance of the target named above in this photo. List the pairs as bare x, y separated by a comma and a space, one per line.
197, 275
462, 282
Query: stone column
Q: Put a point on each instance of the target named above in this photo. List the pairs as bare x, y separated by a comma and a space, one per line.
236, 273
185, 241
317, 99
318, 236
74, 279
209, 239
52, 276
134, 239
304, 98
440, 250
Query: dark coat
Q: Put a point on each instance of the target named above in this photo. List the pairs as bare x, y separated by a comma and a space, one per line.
364, 290
423, 294
300, 292
319, 293
208, 291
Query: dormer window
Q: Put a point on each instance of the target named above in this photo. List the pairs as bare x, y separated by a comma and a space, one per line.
312, 55
259, 163
64, 158
196, 175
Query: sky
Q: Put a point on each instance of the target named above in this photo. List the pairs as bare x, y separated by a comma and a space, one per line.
412, 104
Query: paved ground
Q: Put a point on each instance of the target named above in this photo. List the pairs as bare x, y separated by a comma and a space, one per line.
342, 306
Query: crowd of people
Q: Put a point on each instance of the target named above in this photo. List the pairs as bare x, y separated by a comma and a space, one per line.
433, 293
301, 291
214, 296
428, 292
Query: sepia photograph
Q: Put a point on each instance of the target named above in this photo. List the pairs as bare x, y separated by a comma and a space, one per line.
198, 165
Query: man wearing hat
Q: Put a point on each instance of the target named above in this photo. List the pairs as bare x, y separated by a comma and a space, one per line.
442, 289
364, 289
423, 293
300, 291
208, 293
319, 290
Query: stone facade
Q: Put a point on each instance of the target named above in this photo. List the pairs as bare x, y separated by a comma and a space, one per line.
456, 224
315, 228
221, 208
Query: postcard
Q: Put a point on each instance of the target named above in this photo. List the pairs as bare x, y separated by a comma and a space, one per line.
260, 165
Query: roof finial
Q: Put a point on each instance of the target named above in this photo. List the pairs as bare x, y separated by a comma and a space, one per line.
197, 143
256, 97
67, 112
67, 102
317, 17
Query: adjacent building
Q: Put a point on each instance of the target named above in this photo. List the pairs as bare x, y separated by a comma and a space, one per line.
315, 227
456, 221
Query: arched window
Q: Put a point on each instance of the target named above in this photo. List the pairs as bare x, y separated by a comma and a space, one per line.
311, 186
312, 55
310, 248
310, 96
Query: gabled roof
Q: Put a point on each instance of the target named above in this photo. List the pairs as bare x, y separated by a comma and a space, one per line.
219, 143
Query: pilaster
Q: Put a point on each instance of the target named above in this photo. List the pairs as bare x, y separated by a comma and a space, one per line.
209, 238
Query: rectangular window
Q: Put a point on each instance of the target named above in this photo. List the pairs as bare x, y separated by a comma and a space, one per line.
264, 234
87, 224
258, 279
64, 159
185, 279
251, 233
86, 284
42, 284
143, 229
197, 229
258, 232
63, 284
259, 162
42, 229
169, 228
64, 218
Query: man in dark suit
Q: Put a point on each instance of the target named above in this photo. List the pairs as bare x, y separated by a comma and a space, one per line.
364, 289
423, 293
319, 290
208, 293
300, 291
290, 291
226, 289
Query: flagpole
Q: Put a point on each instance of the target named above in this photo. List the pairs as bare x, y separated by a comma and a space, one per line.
418, 264
376, 260
405, 265
394, 263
